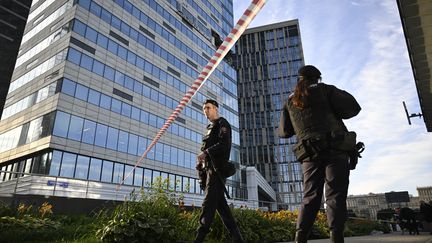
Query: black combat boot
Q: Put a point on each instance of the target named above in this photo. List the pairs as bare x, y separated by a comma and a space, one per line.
336, 237
300, 237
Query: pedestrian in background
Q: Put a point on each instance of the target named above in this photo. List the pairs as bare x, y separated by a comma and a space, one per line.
314, 113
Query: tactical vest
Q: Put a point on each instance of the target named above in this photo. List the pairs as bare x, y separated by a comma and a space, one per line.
211, 138
317, 119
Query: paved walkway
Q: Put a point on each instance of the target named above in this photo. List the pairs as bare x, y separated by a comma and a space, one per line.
395, 237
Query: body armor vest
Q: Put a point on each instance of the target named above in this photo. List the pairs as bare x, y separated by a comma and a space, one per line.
317, 119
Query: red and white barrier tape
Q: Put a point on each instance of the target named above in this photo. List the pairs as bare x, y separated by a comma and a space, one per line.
214, 61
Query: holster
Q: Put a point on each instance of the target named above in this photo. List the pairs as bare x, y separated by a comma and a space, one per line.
310, 148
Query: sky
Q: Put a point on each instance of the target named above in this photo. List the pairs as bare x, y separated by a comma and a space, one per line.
359, 46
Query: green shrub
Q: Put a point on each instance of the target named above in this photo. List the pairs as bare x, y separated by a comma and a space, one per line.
153, 218
6, 210
358, 227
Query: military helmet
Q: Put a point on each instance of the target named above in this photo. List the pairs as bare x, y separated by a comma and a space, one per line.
309, 71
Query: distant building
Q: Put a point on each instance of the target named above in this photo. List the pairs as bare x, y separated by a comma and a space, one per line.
267, 60
425, 193
13, 17
417, 25
367, 206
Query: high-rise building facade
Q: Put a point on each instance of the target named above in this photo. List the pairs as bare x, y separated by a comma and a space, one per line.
267, 60
13, 17
94, 82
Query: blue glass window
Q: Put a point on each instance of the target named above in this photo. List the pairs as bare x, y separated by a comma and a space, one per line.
144, 117
61, 124
186, 184
112, 46
133, 144
173, 160
154, 95
119, 78
129, 82
81, 92
106, 16
116, 106
68, 87
95, 9
89, 132
126, 109
94, 97
151, 153
91, 34
140, 63
95, 169
105, 102
135, 113
109, 73
98, 68
118, 172
75, 128
82, 167
107, 171
180, 158
159, 152
147, 177
122, 52
146, 91
55, 163
74, 56
142, 145
131, 57
123, 141
130, 175
79, 27
139, 176
87, 62
152, 120
68, 165
112, 138
101, 135
188, 159
166, 153
124, 28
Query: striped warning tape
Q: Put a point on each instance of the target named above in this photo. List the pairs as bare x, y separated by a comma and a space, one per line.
214, 61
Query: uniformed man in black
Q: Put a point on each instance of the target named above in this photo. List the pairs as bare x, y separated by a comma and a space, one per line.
215, 149
314, 113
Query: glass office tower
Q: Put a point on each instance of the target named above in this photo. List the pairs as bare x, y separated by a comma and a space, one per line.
95, 80
267, 60
13, 16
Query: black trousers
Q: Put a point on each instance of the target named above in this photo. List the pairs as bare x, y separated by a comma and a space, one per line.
331, 170
215, 201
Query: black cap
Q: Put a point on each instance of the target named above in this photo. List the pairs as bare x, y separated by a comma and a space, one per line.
309, 71
213, 102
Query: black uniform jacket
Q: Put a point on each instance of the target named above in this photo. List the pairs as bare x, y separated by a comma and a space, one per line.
327, 106
217, 141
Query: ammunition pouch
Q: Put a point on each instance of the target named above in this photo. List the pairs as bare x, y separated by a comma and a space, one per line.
336, 140
310, 148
